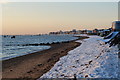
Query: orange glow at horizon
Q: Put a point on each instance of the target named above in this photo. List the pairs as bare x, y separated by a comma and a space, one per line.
42, 18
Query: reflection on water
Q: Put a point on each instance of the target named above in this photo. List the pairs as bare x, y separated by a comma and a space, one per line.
12, 46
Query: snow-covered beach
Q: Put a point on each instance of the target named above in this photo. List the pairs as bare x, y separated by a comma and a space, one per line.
34, 65
92, 59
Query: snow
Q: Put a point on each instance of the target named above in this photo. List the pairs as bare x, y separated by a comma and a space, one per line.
92, 59
110, 36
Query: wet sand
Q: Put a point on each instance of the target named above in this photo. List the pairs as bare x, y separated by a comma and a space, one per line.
34, 65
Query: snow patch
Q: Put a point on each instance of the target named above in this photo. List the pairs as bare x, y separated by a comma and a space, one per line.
92, 59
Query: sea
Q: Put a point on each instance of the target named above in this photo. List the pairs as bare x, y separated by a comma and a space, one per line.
18, 45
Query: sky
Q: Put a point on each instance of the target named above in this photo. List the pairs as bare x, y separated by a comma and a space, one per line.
44, 17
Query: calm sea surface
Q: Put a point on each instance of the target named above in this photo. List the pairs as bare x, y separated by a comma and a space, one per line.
14, 46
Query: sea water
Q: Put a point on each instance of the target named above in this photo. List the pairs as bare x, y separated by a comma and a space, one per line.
13, 47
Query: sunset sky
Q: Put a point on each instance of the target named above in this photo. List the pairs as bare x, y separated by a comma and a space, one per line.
44, 17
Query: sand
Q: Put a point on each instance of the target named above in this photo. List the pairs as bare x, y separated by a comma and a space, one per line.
34, 65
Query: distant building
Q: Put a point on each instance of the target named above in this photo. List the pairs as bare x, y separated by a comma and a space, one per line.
74, 30
78, 32
95, 31
116, 25
89, 31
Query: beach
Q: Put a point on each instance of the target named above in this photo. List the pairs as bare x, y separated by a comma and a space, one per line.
92, 59
65, 40
34, 65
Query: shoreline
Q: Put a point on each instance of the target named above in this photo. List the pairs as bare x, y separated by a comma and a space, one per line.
92, 59
34, 65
